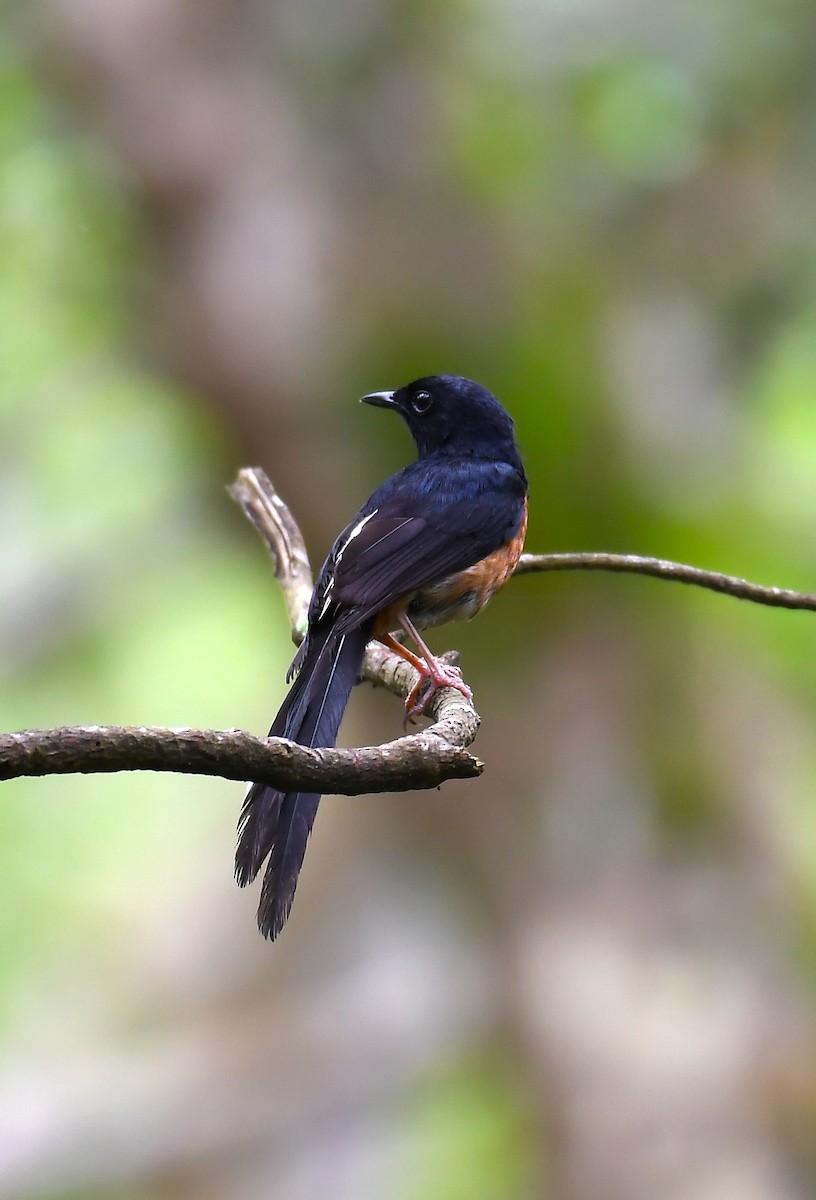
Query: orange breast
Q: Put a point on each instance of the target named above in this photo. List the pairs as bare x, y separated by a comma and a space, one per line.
458, 597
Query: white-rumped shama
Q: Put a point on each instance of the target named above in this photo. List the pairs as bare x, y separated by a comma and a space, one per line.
431, 545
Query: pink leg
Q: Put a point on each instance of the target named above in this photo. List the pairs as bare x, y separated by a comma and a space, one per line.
440, 675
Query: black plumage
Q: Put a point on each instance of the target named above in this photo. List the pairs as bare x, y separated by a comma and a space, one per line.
402, 557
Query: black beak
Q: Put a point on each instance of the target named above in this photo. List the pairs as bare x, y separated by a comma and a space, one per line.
380, 399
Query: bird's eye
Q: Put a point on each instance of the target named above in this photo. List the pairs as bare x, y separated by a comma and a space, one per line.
421, 402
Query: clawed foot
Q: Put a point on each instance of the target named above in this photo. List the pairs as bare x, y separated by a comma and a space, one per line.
434, 679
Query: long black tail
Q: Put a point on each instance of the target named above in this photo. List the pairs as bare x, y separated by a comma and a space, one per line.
277, 823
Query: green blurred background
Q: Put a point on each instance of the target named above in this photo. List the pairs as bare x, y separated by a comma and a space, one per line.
591, 973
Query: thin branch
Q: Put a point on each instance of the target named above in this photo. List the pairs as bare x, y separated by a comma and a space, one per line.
662, 568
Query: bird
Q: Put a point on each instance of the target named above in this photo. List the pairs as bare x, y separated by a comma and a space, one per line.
432, 544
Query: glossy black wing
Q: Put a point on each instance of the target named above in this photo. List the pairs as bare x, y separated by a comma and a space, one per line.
410, 539
429, 520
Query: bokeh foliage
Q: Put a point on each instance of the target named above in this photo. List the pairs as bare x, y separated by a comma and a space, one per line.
623, 248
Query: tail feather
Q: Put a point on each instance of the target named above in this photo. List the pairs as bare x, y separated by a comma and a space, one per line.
276, 823
297, 815
260, 811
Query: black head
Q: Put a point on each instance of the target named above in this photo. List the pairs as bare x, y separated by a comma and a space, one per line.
448, 414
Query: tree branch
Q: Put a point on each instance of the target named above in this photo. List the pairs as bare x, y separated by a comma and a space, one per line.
420, 760
262, 506
662, 568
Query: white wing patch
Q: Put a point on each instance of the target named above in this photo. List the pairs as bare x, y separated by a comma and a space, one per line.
355, 531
